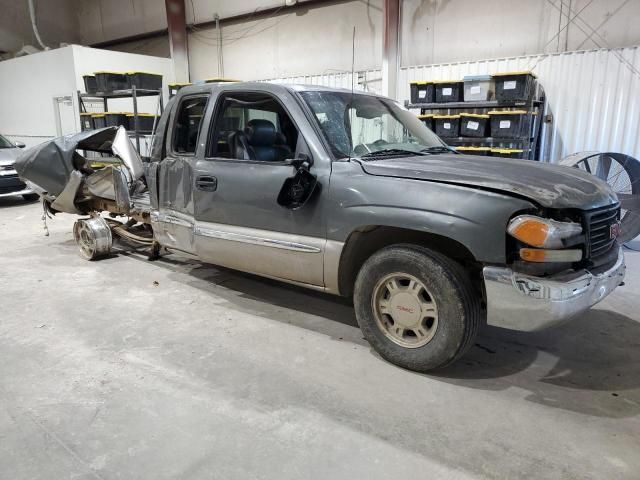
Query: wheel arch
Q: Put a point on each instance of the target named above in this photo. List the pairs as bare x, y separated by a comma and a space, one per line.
364, 241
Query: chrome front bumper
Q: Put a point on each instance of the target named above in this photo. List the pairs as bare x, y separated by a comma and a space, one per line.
527, 303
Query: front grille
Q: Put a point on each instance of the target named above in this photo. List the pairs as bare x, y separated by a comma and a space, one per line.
10, 175
598, 228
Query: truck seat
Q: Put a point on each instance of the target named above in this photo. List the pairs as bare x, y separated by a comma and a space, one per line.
259, 141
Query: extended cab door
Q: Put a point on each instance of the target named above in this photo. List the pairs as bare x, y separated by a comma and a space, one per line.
175, 221
251, 137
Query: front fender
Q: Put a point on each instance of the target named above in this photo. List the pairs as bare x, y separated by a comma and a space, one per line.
473, 217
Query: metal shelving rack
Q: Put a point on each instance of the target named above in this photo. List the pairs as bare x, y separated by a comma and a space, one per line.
529, 144
133, 93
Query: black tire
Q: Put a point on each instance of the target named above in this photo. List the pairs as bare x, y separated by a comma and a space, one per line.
459, 310
31, 197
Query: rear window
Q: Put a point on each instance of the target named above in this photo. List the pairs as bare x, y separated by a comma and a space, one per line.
187, 124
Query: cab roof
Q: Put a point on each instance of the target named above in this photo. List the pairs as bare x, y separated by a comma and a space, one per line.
267, 87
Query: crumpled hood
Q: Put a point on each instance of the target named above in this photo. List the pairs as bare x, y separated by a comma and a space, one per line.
548, 185
8, 155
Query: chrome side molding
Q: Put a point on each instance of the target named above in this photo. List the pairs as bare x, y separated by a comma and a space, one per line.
254, 240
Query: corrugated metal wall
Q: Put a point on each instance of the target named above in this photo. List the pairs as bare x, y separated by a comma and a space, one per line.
593, 96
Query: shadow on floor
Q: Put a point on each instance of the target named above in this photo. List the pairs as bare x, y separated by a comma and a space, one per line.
589, 365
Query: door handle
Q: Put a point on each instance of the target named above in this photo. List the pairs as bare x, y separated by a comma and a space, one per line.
207, 183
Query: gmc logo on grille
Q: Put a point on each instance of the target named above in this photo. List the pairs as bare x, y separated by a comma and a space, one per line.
615, 230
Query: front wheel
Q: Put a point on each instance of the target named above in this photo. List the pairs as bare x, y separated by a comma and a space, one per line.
416, 307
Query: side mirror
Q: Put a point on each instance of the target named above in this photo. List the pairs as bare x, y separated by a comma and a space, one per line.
20, 145
302, 161
298, 189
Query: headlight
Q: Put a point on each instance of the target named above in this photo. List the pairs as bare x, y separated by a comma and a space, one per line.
542, 232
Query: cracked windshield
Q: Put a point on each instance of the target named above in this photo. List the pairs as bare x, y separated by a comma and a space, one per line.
357, 125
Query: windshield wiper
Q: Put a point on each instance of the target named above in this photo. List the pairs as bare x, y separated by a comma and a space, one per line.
438, 149
388, 152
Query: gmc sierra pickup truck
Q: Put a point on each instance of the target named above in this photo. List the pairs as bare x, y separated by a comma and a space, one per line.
347, 193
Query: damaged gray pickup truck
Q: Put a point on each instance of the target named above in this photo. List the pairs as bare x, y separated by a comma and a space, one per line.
348, 194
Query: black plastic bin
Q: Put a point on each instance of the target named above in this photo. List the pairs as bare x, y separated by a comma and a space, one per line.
90, 83
447, 125
115, 119
514, 86
507, 152
145, 122
86, 121
110, 81
448, 91
479, 151
145, 80
474, 125
422, 92
510, 123
99, 120
427, 119
175, 87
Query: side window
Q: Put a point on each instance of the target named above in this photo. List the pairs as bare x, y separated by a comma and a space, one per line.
187, 124
252, 126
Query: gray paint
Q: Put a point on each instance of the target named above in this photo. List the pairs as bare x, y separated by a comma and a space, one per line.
467, 199
475, 218
49, 165
240, 225
8, 155
245, 197
548, 185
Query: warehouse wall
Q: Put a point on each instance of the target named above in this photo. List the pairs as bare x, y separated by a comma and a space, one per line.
28, 113
56, 19
316, 38
593, 96
27, 104
456, 30
103, 20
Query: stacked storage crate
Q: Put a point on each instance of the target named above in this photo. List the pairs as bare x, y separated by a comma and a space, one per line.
498, 115
102, 86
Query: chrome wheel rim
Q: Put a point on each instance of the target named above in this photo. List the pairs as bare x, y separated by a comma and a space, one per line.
93, 237
405, 310
85, 239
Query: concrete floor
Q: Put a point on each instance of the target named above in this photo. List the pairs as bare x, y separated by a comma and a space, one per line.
128, 369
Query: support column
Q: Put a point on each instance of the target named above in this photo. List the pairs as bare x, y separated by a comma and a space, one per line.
176, 22
391, 47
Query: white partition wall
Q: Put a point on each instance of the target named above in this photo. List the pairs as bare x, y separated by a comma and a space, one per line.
38, 92
28, 86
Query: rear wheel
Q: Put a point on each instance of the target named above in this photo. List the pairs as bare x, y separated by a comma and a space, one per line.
416, 307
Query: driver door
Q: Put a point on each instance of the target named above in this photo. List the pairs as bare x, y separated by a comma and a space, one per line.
239, 223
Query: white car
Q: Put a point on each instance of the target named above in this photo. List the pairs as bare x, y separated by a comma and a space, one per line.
10, 183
